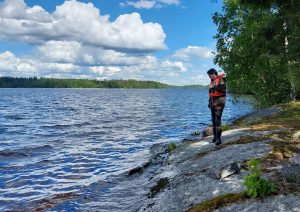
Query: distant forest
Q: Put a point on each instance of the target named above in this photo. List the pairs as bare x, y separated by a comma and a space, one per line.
34, 82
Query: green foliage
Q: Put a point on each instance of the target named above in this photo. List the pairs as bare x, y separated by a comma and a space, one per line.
254, 165
225, 127
258, 47
256, 185
34, 82
171, 147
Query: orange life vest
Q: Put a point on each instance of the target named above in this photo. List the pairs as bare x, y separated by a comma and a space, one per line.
214, 83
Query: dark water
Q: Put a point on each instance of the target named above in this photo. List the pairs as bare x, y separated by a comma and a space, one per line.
57, 143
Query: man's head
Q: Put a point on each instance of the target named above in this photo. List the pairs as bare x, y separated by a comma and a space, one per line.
212, 73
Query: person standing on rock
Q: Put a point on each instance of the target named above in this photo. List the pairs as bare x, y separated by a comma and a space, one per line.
217, 99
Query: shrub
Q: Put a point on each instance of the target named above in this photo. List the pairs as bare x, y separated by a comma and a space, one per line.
256, 185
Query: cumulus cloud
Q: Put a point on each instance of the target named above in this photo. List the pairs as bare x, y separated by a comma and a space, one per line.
17, 9
81, 22
74, 52
168, 65
191, 52
75, 41
10, 65
147, 68
149, 4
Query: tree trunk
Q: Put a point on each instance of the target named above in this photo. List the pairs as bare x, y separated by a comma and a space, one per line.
289, 64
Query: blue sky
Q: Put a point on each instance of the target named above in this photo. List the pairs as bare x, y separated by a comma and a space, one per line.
163, 40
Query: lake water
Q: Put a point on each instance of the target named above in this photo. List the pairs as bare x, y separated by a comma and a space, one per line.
57, 143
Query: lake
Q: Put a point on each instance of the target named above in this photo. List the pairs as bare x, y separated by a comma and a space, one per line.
60, 143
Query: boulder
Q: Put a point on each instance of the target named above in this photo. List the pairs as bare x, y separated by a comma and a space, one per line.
228, 170
295, 159
296, 136
207, 132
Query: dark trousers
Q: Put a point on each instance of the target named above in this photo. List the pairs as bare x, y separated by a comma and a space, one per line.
216, 115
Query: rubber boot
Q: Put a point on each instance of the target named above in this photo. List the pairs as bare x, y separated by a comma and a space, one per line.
215, 135
218, 136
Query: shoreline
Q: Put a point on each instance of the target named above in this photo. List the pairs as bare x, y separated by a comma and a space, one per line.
185, 177
187, 180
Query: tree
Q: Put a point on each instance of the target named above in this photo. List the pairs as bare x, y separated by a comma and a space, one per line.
252, 48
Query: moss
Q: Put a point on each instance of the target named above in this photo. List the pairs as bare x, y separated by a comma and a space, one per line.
266, 127
160, 185
219, 202
171, 147
248, 139
288, 118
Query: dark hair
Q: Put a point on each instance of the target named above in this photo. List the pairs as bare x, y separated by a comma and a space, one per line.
212, 71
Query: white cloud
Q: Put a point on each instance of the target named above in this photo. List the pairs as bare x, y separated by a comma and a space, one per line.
147, 68
191, 52
10, 65
149, 4
7, 60
81, 22
75, 41
107, 70
142, 4
74, 52
59, 51
17, 9
170, 65
169, 2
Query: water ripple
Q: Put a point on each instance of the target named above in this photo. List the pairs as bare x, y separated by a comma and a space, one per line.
59, 142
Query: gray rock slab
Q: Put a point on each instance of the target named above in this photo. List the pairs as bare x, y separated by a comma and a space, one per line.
188, 191
260, 114
186, 151
282, 203
216, 160
295, 159
194, 179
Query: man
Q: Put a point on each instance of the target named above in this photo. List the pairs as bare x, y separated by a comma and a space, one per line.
217, 99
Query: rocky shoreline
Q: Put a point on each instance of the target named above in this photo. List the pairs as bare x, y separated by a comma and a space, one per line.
197, 174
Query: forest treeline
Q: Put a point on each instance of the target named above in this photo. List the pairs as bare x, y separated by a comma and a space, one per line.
258, 47
34, 82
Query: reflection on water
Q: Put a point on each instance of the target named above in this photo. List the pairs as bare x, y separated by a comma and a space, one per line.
60, 141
